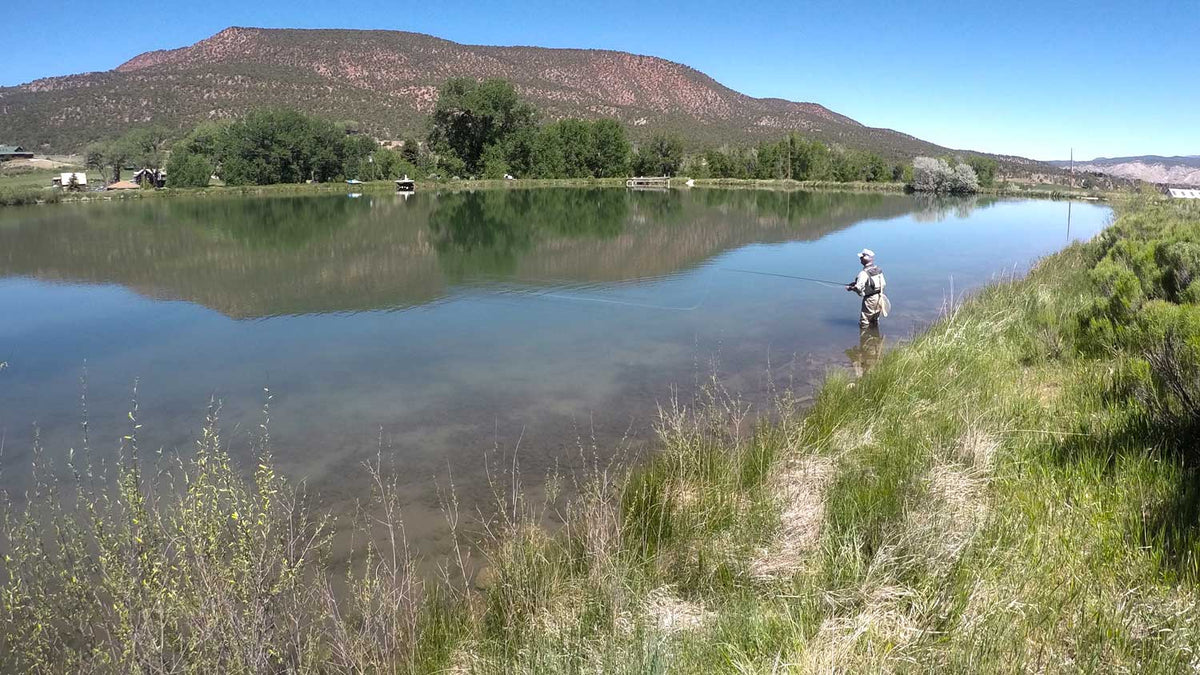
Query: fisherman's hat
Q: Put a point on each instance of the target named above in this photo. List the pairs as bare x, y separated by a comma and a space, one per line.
866, 253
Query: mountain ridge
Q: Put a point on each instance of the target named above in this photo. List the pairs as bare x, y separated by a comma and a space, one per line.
388, 80
1183, 170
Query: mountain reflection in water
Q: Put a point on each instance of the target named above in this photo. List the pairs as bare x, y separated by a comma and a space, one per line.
448, 324
269, 256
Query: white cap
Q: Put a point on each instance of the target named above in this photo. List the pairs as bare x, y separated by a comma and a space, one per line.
866, 253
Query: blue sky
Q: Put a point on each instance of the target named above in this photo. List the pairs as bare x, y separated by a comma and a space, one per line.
1025, 78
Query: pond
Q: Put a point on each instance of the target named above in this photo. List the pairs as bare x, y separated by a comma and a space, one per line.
438, 327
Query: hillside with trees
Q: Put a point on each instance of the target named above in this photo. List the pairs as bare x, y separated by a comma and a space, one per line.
389, 81
487, 130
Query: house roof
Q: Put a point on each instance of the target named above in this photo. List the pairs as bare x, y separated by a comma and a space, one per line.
124, 185
65, 178
1183, 193
12, 149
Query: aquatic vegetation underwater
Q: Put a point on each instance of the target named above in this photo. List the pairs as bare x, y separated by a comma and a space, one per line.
1015, 489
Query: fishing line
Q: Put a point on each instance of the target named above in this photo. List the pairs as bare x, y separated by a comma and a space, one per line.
625, 303
550, 293
787, 276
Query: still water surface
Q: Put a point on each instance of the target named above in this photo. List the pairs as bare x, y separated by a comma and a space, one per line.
450, 324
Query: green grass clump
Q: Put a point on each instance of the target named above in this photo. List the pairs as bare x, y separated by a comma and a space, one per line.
21, 196
1014, 490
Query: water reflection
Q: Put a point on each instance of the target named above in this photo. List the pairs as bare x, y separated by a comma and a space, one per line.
937, 208
271, 256
265, 224
482, 233
541, 315
868, 352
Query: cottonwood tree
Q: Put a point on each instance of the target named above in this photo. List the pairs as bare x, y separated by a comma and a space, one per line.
193, 159
96, 157
188, 169
280, 146
985, 169
471, 117
662, 156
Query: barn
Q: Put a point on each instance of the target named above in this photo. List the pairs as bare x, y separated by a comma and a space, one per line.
8, 152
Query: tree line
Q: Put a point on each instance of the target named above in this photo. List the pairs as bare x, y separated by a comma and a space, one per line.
143, 147
484, 129
796, 158
478, 130
284, 146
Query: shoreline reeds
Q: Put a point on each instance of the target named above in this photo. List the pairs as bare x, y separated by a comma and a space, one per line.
1012, 490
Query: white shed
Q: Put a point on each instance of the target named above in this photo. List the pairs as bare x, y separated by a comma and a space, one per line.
1184, 193
63, 180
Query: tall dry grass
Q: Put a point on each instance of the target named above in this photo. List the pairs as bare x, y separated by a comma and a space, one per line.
1008, 492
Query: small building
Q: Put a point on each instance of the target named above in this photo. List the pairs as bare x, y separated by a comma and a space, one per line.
155, 178
1184, 193
72, 180
8, 152
124, 185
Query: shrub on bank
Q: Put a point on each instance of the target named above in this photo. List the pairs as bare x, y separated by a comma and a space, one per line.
1147, 307
936, 175
22, 196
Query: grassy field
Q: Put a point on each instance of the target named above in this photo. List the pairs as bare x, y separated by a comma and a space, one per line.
27, 185
1014, 490
34, 179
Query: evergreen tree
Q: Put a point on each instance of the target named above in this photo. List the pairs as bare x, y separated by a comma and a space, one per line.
411, 150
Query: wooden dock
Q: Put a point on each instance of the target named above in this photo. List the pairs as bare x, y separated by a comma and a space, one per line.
406, 184
659, 182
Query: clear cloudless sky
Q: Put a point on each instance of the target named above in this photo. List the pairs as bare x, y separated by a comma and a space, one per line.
1107, 78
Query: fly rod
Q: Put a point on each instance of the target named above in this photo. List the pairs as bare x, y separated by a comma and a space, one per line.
787, 276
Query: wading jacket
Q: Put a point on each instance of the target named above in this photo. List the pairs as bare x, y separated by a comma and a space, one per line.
869, 281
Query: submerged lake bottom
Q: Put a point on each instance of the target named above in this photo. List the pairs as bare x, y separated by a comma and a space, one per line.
435, 330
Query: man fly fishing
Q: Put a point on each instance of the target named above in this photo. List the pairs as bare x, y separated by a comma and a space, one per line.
869, 285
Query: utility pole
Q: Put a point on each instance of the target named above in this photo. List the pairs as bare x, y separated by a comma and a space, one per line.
1072, 168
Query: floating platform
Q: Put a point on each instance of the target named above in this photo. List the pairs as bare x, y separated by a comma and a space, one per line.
660, 182
406, 184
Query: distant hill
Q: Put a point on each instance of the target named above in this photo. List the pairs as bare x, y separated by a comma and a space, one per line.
1183, 170
387, 81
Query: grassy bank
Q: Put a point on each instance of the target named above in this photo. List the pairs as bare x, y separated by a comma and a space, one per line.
26, 185
21, 192
1000, 189
1014, 490
18, 196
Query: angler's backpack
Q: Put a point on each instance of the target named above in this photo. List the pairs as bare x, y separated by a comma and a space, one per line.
875, 281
